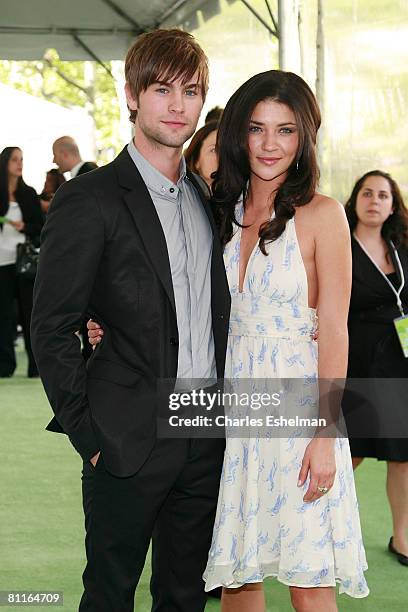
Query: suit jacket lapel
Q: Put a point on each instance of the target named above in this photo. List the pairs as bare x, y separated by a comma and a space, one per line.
144, 214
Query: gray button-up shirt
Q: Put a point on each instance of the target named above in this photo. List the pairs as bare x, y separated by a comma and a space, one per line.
189, 244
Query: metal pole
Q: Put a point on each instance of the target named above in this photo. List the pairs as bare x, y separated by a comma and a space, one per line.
91, 53
261, 19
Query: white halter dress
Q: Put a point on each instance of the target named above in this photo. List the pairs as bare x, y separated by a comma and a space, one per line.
262, 526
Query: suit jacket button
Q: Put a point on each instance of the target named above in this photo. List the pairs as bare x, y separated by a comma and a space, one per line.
222, 317
173, 342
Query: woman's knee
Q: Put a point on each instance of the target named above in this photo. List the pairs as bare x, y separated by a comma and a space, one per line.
313, 599
256, 586
300, 599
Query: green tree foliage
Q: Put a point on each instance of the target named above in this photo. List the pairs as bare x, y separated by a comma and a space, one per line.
71, 84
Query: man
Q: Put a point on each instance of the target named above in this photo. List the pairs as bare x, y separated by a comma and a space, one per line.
142, 257
67, 157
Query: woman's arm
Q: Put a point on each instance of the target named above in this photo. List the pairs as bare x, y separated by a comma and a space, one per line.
333, 267
31, 212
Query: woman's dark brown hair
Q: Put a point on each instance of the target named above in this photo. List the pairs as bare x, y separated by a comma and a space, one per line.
232, 143
165, 55
395, 228
193, 150
57, 178
5, 156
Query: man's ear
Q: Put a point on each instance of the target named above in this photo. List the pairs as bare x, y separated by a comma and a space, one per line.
131, 101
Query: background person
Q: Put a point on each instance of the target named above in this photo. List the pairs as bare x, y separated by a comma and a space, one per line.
68, 159
200, 155
21, 216
214, 114
53, 179
378, 218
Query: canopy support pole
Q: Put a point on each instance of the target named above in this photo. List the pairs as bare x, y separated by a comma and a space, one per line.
119, 11
261, 19
91, 53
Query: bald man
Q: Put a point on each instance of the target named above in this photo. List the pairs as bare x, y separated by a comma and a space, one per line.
68, 159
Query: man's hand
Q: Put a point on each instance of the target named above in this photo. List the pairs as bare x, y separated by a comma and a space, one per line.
95, 333
95, 458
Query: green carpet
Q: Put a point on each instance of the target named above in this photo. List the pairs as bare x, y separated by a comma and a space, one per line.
41, 522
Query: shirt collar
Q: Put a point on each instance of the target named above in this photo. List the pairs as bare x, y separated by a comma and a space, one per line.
155, 180
75, 169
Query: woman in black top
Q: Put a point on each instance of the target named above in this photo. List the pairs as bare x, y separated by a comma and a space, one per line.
379, 225
20, 216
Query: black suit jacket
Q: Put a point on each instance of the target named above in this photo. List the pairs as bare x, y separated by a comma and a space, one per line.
86, 167
104, 254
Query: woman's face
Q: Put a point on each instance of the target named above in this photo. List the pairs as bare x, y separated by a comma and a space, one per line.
15, 164
273, 140
374, 201
207, 162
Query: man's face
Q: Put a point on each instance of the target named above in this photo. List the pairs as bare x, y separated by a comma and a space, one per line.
167, 113
60, 158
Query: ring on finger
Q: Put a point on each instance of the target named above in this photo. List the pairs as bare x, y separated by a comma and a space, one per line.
323, 489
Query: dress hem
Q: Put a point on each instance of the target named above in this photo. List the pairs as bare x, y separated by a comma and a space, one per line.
337, 580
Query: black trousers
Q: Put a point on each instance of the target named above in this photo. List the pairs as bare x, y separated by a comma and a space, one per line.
12, 288
171, 501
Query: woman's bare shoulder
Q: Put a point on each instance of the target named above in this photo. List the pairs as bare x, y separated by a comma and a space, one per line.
324, 203
325, 210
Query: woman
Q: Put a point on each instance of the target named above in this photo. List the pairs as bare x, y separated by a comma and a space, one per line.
290, 511
200, 155
20, 215
287, 507
378, 221
53, 179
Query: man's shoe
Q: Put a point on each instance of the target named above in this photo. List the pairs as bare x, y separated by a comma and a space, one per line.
403, 559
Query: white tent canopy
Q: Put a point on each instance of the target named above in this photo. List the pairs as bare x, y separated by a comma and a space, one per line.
85, 29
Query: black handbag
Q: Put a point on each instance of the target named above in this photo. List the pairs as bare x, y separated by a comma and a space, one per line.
27, 260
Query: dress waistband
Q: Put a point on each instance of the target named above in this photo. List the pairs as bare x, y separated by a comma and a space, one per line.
260, 317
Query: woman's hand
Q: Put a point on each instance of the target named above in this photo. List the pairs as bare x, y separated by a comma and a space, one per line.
319, 460
95, 333
95, 459
18, 225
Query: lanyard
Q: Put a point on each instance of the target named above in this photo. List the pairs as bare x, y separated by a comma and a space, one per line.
401, 271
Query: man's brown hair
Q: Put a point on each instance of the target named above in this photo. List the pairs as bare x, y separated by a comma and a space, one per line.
164, 55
